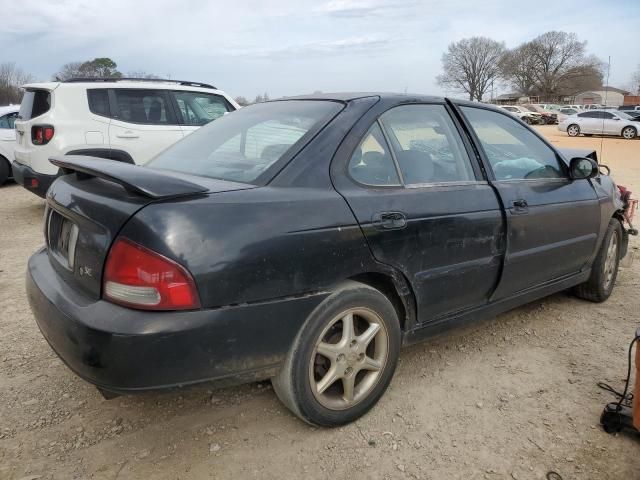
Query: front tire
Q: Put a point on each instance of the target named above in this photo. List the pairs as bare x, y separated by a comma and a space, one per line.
343, 359
573, 130
605, 267
629, 133
4, 170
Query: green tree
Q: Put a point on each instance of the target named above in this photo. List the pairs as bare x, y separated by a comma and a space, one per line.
102, 67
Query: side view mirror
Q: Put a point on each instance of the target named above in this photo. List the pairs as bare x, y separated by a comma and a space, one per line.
582, 168
615, 118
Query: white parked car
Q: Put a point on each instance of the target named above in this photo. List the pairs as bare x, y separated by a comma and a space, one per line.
130, 120
527, 116
7, 140
601, 122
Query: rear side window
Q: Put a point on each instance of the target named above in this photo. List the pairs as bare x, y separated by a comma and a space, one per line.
143, 106
371, 163
427, 145
197, 108
243, 146
99, 101
34, 103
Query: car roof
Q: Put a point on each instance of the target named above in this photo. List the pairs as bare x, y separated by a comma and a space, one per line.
9, 109
349, 96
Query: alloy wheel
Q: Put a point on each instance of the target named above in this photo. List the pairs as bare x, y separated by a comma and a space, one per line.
629, 133
611, 261
573, 131
348, 359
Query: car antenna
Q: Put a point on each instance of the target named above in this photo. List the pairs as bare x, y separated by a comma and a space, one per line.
606, 94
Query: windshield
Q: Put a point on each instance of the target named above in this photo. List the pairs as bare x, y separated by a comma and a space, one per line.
244, 144
531, 109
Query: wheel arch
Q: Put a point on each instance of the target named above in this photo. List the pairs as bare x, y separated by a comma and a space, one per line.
397, 289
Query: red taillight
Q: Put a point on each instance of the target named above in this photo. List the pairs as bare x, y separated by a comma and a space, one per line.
41, 134
137, 277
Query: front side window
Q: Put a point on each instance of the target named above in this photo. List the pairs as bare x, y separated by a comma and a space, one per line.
198, 108
514, 152
241, 147
142, 106
7, 121
372, 163
427, 145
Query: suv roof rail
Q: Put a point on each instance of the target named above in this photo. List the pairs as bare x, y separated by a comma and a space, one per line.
120, 79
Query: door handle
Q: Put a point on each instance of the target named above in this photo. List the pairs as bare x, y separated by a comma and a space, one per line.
520, 206
390, 220
128, 134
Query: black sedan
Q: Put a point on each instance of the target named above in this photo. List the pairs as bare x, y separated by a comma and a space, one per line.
306, 240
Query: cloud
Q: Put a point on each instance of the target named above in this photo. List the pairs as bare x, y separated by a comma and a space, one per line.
362, 8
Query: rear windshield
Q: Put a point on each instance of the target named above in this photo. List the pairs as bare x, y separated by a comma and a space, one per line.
241, 146
34, 103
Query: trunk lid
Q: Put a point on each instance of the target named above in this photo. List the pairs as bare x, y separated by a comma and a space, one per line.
87, 208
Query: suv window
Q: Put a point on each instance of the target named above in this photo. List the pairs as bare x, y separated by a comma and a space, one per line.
99, 101
34, 103
427, 145
7, 121
514, 152
143, 106
371, 163
197, 108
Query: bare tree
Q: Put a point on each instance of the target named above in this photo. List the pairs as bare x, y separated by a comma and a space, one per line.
471, 65
242, 101
518, 69
11, 80
559, 58
98, 67
142, 74
635, 82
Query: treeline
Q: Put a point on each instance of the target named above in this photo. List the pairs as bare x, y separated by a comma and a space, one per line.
552, 65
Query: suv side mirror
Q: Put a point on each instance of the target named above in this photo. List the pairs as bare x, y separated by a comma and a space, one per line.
581, 168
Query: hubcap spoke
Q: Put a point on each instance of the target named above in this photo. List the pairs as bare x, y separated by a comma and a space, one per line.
329, 350
371, 364
369, 334
347, 328
329, 379
349, 386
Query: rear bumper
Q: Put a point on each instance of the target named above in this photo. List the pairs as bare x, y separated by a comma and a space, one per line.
33, 181
124, 350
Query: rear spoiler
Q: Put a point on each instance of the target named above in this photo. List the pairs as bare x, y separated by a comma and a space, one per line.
144, 181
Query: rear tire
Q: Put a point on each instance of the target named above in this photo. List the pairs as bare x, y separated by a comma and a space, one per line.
5, 168
605, 267
573, 130
343, 358
629, 133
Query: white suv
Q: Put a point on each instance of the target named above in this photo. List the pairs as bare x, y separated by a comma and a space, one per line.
130, 120
7, 140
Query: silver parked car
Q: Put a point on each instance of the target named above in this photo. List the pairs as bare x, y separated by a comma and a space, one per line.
601, 122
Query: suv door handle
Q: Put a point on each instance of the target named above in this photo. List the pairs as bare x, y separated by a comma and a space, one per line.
390, 220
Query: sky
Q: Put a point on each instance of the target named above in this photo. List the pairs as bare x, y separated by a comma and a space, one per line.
289, 47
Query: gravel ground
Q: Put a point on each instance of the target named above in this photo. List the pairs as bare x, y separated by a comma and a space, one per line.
510, 398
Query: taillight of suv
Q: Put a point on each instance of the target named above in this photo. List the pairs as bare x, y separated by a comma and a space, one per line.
41, 134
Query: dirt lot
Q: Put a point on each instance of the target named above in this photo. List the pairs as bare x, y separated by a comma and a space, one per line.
511, 398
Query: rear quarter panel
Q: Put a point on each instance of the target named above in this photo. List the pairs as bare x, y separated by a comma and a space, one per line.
257, 245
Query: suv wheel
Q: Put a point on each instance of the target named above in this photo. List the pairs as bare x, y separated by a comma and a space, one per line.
5, 169
343, 359
605, 267
573, 130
